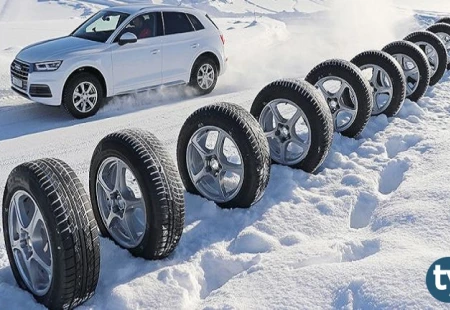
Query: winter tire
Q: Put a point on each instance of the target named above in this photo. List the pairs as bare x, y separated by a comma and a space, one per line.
224, 156
435, 51
442, 30
83, 95
204, 76
136, 193
50, 234
347, 93
415, 67
386, 79
445, 20
296, 121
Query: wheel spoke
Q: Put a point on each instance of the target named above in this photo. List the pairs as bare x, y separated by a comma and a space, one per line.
41, 263
126, 227
322, 88
341, 90
37, 216
199, 176
221, 185
271, 134
294, 119
283, 150
276, 114
218, 147
299, 142
133, 204
104, 186
201, 150
110, 218
231, 167
120, 177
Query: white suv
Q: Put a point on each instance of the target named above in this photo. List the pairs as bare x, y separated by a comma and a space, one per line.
121, 50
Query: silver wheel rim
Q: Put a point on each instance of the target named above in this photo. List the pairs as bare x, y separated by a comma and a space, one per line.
432, 55
341, 99
287, 130
85, 97
446, 39
382, 87
215, 164
30, 243
411, 71
205, 76
120, 202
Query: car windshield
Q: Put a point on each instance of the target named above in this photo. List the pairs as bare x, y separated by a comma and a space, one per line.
100, 26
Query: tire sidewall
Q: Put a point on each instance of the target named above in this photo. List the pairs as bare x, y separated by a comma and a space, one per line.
116, 148
415, 53
354, 78
441, 51
314, 156
250, 184
393, 69
23, 179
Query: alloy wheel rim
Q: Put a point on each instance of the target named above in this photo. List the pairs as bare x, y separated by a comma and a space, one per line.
287, 130
382, 86
446, 39
31, 248
85, 97
215, 164
205, 76
120, 202
432, 55
339, 94
411, 71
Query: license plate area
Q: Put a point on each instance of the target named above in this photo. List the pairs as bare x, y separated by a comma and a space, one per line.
17, 82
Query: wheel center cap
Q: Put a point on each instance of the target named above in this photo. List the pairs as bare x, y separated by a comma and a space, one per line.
284, 132
25, 241
214, 164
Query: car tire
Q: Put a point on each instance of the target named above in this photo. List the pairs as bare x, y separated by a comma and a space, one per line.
206, 67
387, 80
407, 53
56, 214
427, 39
315, 122
144, 204
352, 86
445, 20
226, 123
442, 30
87, 103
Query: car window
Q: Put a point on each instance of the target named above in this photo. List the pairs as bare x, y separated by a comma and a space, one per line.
195, 22
144, 26
176, 22
100, 26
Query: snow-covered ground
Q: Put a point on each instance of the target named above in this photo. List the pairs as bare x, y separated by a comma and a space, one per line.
360, 234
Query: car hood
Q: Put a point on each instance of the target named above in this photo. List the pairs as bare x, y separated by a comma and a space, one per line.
57, 49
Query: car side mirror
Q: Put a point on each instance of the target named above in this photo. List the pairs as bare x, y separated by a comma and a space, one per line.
127, 37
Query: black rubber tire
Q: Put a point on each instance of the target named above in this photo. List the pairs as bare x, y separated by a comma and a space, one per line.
160, 186
311, 102
442, 28
438, 45
72, 230
248, 137
445, 20
69, 89
395, 73
418, 56
193, 79
353, 76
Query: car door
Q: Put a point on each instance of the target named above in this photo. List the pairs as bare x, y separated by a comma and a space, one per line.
180, 45
138, 65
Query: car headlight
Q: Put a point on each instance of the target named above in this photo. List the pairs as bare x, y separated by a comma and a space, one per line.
47, 65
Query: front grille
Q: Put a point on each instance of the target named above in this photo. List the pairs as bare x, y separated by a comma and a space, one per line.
20, 70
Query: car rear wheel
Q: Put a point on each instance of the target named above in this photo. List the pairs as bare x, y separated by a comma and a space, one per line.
204, 76
83, 95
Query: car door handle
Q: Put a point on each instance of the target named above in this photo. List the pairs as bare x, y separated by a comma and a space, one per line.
195, 45
154, 52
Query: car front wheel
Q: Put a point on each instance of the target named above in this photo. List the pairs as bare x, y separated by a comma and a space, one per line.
83, 95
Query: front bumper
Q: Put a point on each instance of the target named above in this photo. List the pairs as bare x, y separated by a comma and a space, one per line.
41, 87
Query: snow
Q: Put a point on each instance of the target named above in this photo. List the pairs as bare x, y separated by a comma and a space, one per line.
359, 234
